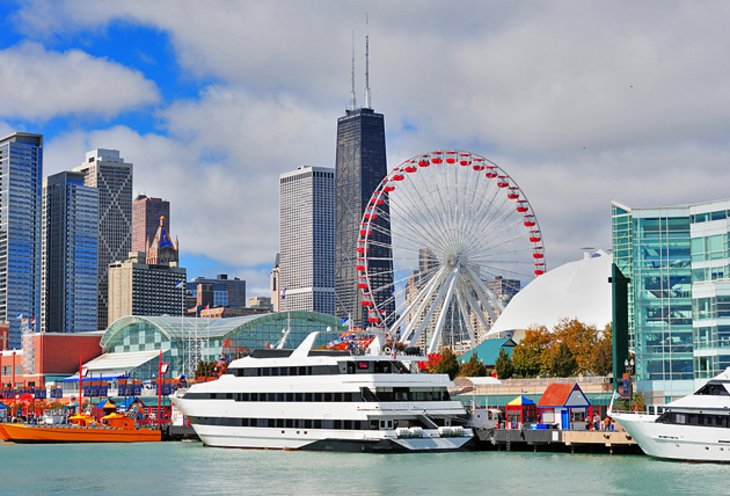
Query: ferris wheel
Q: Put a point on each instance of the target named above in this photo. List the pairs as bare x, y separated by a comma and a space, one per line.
439, 236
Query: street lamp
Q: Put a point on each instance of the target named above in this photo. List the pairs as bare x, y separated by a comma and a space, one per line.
629, 366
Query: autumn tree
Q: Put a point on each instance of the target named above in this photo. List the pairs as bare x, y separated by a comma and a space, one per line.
447, 365
473, 367
504, 365
527, 356
602, 359
581, 340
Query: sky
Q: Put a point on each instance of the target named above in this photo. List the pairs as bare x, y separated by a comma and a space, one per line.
581, 102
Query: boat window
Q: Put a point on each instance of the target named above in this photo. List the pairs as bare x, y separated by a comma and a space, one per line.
713, 390
363, 367
382, 368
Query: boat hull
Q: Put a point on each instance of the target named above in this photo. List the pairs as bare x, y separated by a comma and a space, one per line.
325, 440
677, 442
21, 433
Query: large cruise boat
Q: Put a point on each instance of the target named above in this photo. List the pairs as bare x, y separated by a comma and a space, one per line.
696, 427
327, 400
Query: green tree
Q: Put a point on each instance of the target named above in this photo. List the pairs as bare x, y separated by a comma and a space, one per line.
447, 365
562, 361
504, 365
602, 358
473, 367
527, 356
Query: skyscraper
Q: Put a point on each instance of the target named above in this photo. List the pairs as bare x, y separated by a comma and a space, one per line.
70, 249
21, 172
360, 166
146, 213
106, 171
306, 239
151, 285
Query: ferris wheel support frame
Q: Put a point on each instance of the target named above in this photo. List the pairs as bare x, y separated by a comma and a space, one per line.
442, 315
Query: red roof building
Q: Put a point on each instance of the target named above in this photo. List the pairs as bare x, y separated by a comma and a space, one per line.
564, 405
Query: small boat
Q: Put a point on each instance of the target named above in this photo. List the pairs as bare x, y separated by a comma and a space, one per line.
114, 428
693, 428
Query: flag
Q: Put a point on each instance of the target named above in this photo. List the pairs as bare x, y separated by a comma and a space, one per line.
19, 316
616, 395
346, 321
283, 293
180, 285
32, 321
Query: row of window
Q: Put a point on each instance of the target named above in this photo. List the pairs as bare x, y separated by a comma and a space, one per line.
398, 394
699, 419
287, 423
360, 367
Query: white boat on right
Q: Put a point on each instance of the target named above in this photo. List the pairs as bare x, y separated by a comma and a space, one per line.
693, 428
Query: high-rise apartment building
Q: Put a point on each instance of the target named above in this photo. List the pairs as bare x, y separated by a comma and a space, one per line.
226, 292
106, 171
21, 173
148, 285
677, 260
306, 239
70, 249
146, 213
360, 166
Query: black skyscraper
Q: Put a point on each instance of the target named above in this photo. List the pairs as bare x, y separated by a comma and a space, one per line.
360, 166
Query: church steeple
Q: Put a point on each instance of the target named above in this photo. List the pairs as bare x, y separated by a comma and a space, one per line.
162, 251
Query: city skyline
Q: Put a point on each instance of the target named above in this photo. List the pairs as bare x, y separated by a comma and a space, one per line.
567, 98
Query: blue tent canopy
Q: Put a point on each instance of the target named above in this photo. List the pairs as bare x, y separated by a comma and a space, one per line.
114, 377
3, 405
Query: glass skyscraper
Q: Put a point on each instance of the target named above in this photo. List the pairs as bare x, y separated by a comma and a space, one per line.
307, 239
106, 171
21, 172
360, 166
679, 295
70, 244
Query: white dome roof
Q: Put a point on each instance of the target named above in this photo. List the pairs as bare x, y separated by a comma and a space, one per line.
577, 290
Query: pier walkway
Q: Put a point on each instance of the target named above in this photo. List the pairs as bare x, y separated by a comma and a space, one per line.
557, 440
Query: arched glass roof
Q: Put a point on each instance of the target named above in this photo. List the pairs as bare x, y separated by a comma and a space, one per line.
175, 328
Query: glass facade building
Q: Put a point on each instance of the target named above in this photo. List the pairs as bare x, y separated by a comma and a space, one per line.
360, 166
70, 244
21, 172
679, 296
231, 337
106, 171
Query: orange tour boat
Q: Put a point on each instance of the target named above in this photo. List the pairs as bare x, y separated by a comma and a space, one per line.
114, 428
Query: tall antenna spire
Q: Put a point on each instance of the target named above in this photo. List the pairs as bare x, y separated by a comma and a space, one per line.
353, 98
367, 63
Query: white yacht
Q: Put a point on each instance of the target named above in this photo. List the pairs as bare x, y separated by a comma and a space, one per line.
327, 400
696, 427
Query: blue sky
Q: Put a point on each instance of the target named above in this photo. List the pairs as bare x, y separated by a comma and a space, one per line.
581, 102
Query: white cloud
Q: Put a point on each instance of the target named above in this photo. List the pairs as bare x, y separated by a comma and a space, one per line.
38, 84
581, 102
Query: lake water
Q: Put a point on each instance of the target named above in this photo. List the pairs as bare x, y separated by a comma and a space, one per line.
190, 468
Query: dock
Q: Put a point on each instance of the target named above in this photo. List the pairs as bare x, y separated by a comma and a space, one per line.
555, 440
